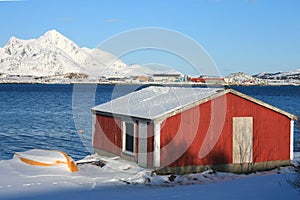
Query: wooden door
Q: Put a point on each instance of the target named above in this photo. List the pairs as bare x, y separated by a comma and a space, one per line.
242, 140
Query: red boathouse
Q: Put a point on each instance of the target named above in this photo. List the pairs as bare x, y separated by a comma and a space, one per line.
184, 130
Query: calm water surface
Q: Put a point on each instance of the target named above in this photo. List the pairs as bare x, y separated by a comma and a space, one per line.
48, 116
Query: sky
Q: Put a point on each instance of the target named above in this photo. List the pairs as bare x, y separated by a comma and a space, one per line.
249, 36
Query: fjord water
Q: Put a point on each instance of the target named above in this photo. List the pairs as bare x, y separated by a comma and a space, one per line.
41, 116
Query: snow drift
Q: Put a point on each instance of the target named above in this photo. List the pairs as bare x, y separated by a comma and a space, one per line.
120, 179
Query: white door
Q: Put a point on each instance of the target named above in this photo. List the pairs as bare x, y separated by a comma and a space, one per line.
242, 133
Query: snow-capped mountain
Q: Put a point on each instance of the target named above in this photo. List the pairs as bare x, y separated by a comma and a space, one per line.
55, 54
289, 75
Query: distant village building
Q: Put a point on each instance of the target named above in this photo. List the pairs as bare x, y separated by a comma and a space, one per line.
197, 80
208, 80
117, 78
3, 75
141, 78
102, 79
214, 80
75, 75
166, 77
187, 130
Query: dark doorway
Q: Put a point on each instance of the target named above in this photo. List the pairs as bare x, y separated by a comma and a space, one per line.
129, 142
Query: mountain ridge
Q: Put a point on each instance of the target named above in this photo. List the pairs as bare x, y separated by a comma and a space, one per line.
55, 54
292, 74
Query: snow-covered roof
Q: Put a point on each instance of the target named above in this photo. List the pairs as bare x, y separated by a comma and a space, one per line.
153, 102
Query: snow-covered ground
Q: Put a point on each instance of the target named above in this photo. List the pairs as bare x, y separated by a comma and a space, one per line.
119, 179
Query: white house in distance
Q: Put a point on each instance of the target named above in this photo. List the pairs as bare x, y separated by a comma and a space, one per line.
166, 77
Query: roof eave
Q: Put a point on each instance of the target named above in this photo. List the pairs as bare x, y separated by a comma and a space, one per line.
259, 102
120, 116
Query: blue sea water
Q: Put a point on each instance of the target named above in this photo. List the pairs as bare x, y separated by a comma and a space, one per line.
49, 116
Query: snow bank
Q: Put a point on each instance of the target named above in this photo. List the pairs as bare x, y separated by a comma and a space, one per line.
119, 179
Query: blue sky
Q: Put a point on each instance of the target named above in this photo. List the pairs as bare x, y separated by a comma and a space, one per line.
240, 35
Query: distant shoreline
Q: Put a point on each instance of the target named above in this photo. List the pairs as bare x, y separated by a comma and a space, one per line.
143, 83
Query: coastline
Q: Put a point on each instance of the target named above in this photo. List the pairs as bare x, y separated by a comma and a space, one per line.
66, 82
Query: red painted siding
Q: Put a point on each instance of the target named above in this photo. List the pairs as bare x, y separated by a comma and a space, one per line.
108, 134
271, 132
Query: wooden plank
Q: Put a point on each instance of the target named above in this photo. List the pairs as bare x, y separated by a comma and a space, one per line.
242, 151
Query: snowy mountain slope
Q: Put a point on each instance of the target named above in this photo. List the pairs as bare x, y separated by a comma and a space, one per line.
295, 74
54, 54
47, 55
144, 70
103, 63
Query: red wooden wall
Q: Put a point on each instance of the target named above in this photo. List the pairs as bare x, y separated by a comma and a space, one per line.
108, 134
271, 132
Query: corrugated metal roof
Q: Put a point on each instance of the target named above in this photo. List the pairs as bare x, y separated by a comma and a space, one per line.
153, 102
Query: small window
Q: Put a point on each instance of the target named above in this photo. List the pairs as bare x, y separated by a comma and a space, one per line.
129, 137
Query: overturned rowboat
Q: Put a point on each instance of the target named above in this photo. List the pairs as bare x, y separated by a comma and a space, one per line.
47, 158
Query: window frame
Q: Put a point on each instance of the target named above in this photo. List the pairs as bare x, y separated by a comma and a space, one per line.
124, 138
